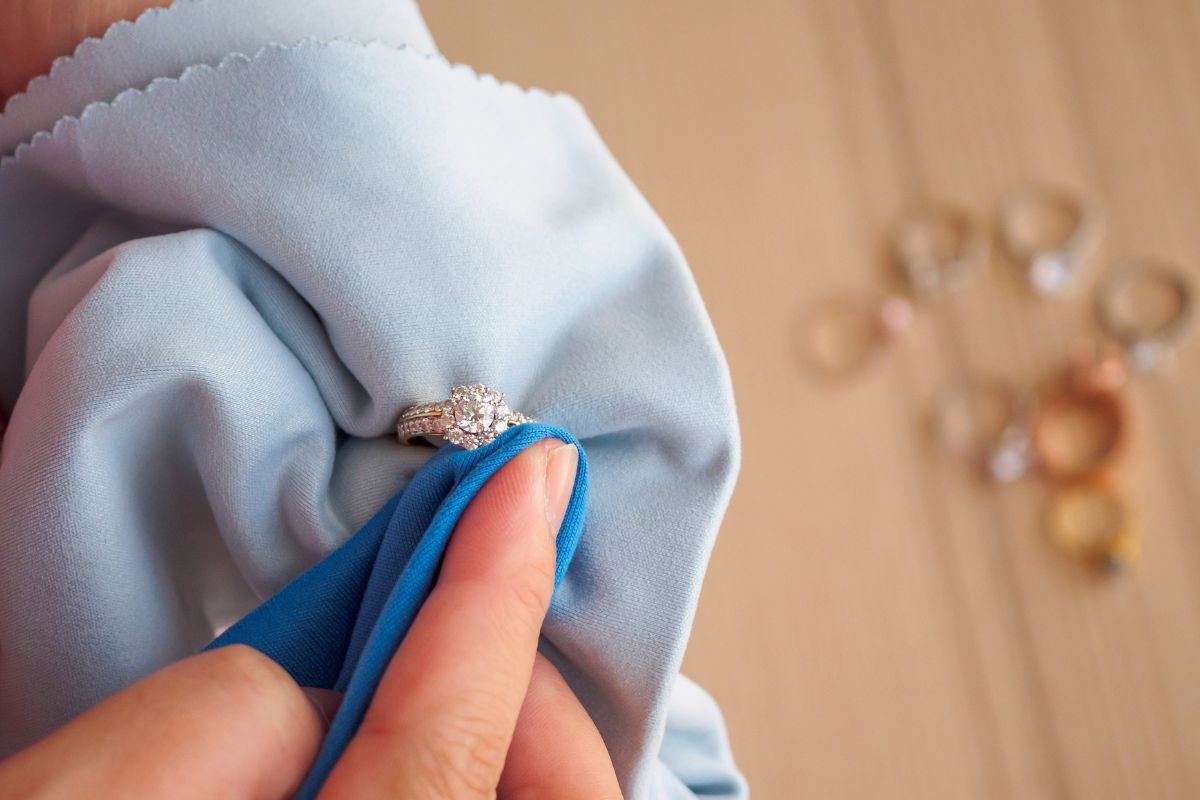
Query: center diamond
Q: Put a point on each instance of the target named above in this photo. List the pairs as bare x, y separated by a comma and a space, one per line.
1051, 272
475, 415
479, 415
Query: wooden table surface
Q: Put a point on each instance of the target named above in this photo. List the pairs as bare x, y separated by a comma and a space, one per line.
877, 621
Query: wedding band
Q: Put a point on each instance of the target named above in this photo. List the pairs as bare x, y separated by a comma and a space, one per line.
937, 249
472, 417
1051, 264
1092, 521
1147, 343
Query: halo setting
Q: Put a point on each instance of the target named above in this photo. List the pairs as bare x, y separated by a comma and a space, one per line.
472, 417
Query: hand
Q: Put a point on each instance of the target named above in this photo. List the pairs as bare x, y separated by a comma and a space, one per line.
467, 708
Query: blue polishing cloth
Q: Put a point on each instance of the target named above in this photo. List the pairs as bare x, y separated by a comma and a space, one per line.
337, 625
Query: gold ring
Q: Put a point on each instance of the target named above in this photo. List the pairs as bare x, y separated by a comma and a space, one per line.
1091, 520
843, 333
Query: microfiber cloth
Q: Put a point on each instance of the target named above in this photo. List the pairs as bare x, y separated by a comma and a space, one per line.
338, 624
236, 241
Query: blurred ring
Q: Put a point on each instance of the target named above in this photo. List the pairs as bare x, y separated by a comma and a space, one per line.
1051, 267
926, 272
986, 421
1070, 403
1114, 545
841, 334
1147, 346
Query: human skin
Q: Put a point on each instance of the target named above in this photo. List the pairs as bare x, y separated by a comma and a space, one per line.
466, 709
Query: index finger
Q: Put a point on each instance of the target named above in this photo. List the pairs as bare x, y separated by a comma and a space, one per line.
443, 715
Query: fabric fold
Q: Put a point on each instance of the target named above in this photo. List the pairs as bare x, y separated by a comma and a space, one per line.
217, 291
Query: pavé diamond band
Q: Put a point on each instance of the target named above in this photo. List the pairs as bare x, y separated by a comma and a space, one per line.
473, 416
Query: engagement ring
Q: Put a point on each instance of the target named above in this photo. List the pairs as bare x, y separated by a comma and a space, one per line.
473, 416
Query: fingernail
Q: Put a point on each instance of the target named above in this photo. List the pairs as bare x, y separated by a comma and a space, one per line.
560, 480
325, 701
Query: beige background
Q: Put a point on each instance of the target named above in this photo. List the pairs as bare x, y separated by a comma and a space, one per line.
876, 622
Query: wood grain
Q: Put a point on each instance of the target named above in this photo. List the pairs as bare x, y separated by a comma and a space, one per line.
877, 622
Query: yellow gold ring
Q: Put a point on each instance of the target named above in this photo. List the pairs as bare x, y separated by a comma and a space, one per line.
1091, 521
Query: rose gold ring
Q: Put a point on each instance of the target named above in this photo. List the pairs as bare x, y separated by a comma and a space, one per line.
1079, 429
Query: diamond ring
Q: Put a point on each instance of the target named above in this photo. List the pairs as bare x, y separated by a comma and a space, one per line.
473, 416
1049, 233
1147, 307
937, 249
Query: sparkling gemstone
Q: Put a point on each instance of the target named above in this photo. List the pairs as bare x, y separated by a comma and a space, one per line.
1007, 464
896, 314
475, 415
1051, 272
1009, 460
1144, 356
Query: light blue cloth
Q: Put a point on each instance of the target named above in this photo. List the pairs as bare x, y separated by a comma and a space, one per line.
166, 41
218, 289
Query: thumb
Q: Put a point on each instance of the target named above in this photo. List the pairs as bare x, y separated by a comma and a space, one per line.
444, 712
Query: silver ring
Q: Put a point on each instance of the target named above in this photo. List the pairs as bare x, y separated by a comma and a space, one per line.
1052, 262
472, 417
1148, 344
937, 249
985, 421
